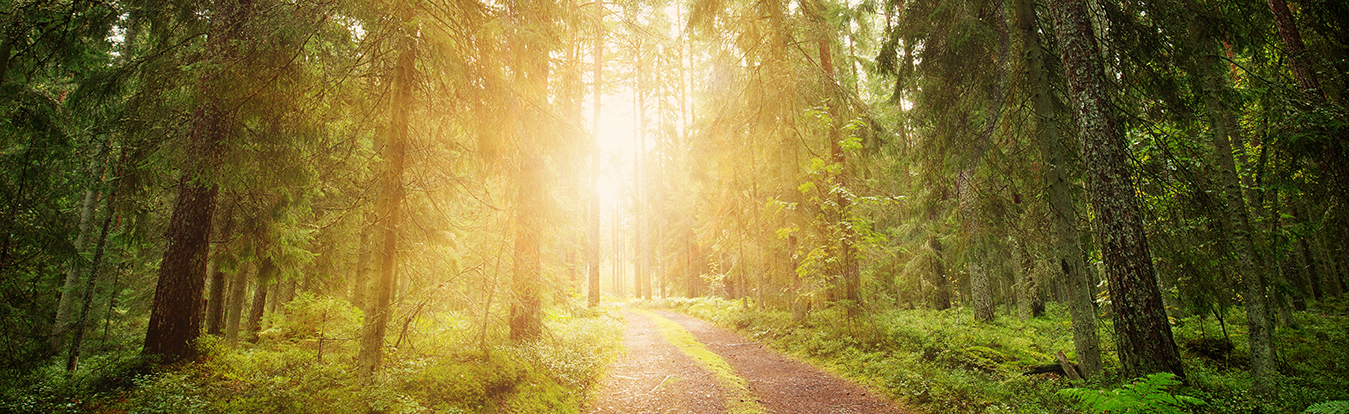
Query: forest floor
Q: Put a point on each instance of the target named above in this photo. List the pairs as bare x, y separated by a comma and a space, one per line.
680, 364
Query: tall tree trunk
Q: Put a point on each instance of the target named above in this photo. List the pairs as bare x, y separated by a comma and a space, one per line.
981, 295
77, 337
66, 303
619, 246
941, 290
597, 73
1297, 51
1067, 241
639, 185
1308, 261
175, 316
360, 290
390, 211
215, 307
264, 280
1235, 211
526, 321
851, 275
1142, 333
238, 291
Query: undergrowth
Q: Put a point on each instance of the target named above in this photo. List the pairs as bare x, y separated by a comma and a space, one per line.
446, 370
945, 362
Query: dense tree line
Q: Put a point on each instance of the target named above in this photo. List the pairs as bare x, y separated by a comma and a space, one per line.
178, 169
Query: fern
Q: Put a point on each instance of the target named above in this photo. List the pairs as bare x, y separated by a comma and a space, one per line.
1150, 394
1329, 407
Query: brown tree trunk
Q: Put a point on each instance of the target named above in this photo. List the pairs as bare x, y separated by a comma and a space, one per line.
1297, 51
1067, 242
1142, 333
850, 272
238, 290
526, 321
215, 307
390, 212
941, 290
266, 272
175, 316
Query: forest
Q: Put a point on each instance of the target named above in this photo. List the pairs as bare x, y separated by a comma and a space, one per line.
459, 206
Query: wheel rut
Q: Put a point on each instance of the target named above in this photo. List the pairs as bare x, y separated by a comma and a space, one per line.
679, 364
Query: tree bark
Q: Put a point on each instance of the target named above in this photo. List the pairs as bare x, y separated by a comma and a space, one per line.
216, 305
390, 213
526, 321
849, 270
360, 291
67, 301
77, 337
1067, 242
1235, 211
1142, 333
1297, 51
981, 295
176, 315
238, 290
264, 282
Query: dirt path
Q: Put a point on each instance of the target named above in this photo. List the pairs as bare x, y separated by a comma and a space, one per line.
656, 376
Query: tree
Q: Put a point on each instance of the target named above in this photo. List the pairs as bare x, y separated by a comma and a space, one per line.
1142, 333
1237, 229
1067, 249
391, 200
597, 74
175, 322
526, 319
1296, 50
215, 309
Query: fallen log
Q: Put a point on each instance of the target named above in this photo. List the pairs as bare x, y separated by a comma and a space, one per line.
1061, 367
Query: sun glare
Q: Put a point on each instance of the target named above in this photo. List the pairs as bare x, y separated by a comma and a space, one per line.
616, 140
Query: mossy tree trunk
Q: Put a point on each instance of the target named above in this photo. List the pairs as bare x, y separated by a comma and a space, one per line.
1068, 255
1142, 333
390, 209
1233, 207
65, 305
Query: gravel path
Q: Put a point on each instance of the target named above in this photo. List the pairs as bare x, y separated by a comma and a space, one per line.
657, 377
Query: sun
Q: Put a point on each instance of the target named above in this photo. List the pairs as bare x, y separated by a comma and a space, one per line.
616, 139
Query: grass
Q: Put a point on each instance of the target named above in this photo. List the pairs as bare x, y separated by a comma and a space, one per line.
945, 362
447, 371
738, 398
